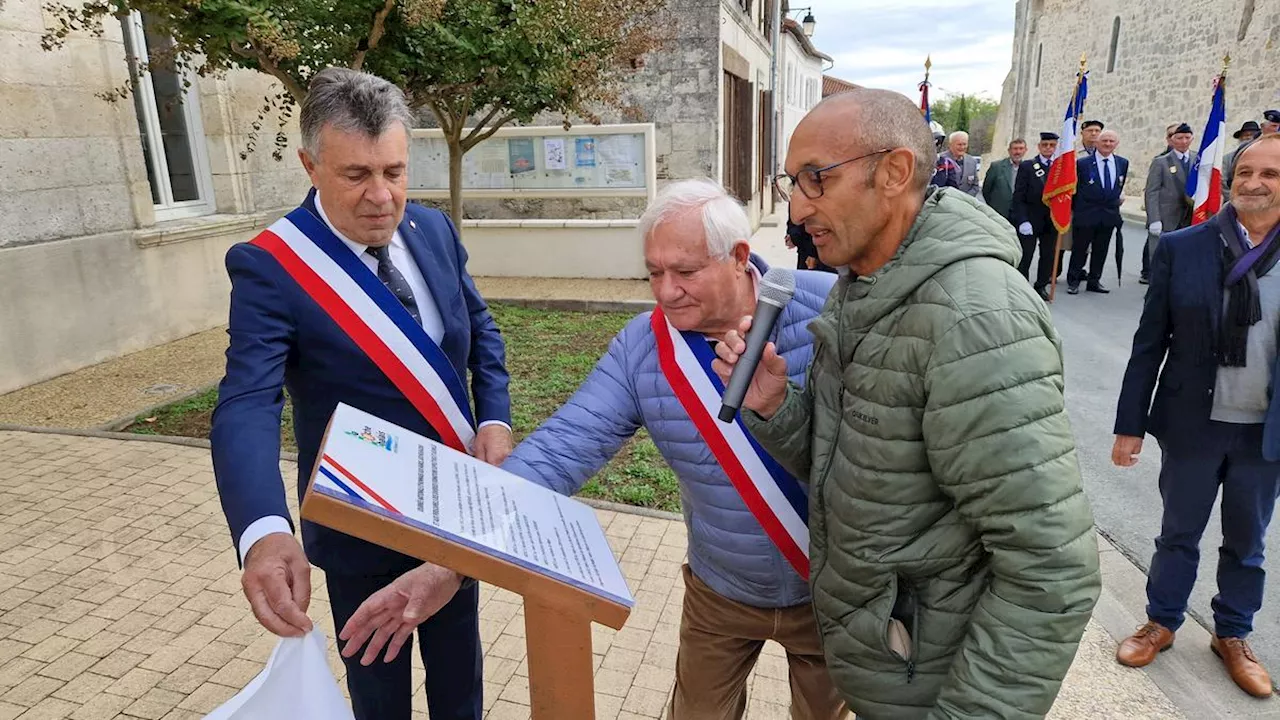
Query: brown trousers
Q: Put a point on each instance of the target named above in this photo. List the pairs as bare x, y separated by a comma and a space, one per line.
719, 642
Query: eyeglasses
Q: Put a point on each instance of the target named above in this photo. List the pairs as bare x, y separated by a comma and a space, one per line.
810, 181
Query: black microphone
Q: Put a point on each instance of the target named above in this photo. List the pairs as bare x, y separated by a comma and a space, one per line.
776, 288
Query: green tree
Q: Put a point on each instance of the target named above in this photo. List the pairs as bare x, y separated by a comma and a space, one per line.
973, 114
493, 62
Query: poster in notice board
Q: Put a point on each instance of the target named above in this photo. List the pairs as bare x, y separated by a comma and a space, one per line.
550, 162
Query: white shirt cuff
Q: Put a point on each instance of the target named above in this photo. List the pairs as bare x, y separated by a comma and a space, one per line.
496, 422
259, 529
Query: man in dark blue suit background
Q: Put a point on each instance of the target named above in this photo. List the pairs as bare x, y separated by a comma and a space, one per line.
1211, 366
355, 133
1100, 177
1031, 217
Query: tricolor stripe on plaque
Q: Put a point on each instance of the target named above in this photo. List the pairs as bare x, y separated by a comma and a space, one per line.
343, 480
773, 496
348, 291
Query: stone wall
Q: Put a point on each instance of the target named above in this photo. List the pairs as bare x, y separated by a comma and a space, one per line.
86, 272
677, 90
1165, 62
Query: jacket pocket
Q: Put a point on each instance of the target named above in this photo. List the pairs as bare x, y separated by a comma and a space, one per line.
902, 629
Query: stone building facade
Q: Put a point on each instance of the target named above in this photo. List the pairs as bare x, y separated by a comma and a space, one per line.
707, 93
1150, 65
115, 216
800, 82
100, 253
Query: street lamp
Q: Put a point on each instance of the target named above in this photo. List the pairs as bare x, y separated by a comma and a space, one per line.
809, 24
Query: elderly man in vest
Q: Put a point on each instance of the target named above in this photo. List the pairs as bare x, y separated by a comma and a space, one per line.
743, 584
955, 563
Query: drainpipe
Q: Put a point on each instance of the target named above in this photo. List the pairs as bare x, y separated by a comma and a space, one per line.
776, 120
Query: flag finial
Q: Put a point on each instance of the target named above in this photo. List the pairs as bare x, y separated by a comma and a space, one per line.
1083, 61
1226, 63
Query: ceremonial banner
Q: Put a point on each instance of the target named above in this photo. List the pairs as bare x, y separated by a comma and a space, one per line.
350, 293
776, 499
1204, 183
1060, 185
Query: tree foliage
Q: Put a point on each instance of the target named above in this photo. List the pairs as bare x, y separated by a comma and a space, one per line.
476, 64
973, 114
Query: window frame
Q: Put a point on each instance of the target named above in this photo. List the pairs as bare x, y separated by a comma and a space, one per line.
137, 52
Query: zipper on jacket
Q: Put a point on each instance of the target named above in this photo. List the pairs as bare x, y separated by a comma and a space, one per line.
826, 470
908, 603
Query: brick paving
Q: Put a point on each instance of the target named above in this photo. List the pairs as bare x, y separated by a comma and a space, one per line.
120, 598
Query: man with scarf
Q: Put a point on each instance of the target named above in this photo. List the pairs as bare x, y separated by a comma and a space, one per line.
1211, 317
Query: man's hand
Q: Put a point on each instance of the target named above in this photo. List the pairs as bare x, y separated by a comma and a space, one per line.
1126, 450
769, 385
1025, 229
277, 583
493, 444
790, 244
395, 611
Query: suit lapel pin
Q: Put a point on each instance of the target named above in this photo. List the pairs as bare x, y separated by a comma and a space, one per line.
413, 225
1173, 169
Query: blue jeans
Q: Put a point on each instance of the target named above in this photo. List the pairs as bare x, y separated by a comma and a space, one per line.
1229, 456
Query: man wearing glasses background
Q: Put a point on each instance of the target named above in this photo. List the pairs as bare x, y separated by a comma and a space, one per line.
954, 564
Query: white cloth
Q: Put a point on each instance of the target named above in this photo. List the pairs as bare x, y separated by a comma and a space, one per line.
296, 684
432, 322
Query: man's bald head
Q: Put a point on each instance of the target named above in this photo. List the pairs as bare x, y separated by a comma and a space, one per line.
867, 120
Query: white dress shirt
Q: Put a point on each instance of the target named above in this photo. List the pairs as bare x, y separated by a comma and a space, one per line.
432, 322
1106, 171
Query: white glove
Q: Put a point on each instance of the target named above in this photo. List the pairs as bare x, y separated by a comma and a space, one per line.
1025, 229
1155, 227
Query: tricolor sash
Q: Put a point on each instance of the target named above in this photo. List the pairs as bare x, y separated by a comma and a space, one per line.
774, 497
353, 296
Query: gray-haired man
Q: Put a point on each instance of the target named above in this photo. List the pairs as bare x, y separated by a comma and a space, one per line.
353, 244
957, 150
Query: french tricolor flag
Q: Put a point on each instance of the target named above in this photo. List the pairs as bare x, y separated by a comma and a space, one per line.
1204, 184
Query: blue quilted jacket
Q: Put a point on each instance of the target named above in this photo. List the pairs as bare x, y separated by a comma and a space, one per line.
728, 550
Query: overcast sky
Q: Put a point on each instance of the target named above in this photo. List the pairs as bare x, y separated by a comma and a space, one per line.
884, 44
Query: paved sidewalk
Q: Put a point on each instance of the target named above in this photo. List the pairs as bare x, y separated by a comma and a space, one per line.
120, 598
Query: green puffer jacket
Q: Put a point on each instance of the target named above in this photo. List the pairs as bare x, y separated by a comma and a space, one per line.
944, 489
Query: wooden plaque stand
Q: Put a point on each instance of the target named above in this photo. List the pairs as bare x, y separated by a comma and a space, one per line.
557, 615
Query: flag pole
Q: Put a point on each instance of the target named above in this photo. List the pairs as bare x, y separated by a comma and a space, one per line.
1057, 245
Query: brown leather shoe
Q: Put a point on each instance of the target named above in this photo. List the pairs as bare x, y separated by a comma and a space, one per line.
1142, 647
1242, 665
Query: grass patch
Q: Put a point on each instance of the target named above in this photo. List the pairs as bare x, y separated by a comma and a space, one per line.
549, 354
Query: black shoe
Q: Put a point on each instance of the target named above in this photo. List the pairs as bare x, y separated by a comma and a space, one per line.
1073, 288
1097, 288
1144, 280
1043, 292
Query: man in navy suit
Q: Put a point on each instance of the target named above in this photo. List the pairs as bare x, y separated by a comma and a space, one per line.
1210, 365
1095, 210
406, 268
1031, 216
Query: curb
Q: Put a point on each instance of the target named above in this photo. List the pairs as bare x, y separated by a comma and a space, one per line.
128, 437
565, 305
293, 457
124, 421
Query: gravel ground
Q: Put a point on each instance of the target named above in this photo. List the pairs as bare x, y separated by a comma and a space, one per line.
100, 394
